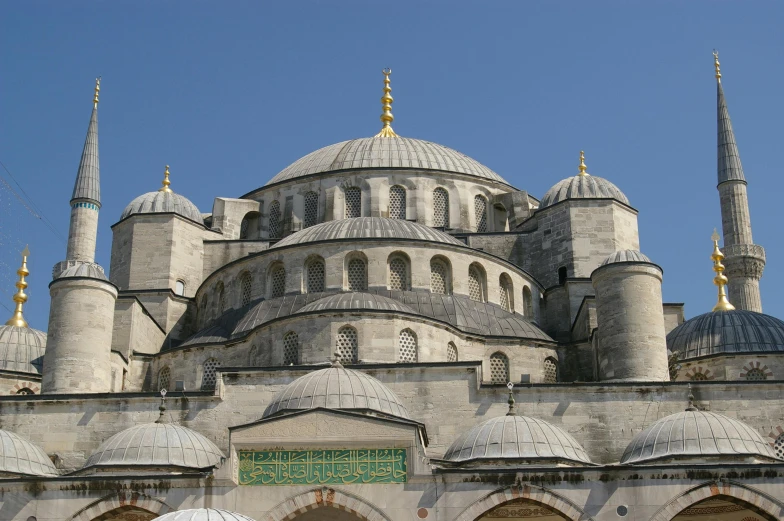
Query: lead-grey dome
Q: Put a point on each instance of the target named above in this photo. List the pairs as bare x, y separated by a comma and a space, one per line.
696, 434
22, 349
582, 187
89, 270
163, 202
157, 445
337, 388
727, 332
625, 256
367, 228
356, 300
377, 152
202, 514
516, 437
19, 456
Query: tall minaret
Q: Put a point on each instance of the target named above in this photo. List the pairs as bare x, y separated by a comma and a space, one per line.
744, 260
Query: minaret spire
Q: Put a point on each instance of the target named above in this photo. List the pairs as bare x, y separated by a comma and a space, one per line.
386, 103
87, 186
20, 297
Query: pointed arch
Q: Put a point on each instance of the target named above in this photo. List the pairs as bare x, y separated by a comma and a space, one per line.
325, 497
530, 492
117, 500
768, 507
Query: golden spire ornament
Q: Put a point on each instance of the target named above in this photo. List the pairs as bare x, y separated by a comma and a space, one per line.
97, 90
386, 103
717, 65
166, 182
583, 169
20, 297
720, 279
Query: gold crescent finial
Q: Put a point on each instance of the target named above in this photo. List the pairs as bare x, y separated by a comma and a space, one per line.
720, 279
97, 90
20, 297
582, 167
166, 182
717, 65
386, 103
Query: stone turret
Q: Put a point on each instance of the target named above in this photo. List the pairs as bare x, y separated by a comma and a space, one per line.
744, 260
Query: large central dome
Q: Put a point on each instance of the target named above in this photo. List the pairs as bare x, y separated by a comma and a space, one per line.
385, 152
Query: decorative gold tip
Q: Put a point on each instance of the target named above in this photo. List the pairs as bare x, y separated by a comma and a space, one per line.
582, 167
720, 279
166, 182
386, 102
717, 65
17, 319
97, 91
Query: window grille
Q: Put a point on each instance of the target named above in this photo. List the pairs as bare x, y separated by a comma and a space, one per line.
163, 379
408, 346
778, 446
278, 282
357, 275
398, 274
755, 373
440, 208
550, 371
316, 276
528, 303
439, 282
208, 379
311, 209
290, 348
274, 220
25, 390
499, 368
353, 203
475, 291
698, 377
397, 202
480, 213
244, 225
346, 347
451, 352
503, 289
221, 299
246, 282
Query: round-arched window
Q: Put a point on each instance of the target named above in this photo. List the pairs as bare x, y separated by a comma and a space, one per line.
347, 345
208, 377
290, 348
407, 351
397, 202
440, 208
480, 213
499, 368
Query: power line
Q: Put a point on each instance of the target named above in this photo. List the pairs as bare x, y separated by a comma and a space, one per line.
28, 203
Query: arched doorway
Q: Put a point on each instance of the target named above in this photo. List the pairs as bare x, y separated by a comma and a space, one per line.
522, 509
722, 509
325, 513
326, 503
523, 502
722, 501
126, 513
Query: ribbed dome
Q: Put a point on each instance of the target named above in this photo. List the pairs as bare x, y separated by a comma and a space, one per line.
375, 152
22, 349
84, 269
337, 388
367, 301
156, 445
19, 456
696, 434
727, 332
582, 187
625, 256
163, 202
516, 437
202, 514
367, 228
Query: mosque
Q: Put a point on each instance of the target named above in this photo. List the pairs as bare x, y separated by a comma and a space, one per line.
387, 330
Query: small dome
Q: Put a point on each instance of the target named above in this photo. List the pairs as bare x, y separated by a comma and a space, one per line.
155, 445
516, 437
367, 228
364, 301
582, 187
19, 456
696, 434
163, 202
626, 256
337, 388
89, 270
727, 332
202, 514
22, 349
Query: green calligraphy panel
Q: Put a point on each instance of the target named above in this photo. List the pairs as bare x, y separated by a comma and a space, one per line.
322, 467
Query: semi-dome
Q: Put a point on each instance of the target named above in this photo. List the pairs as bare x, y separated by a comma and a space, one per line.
694, 434
356, 300
202, 514
163, 202
157, 445
516, 437
727, 332
337, 388
21, 349
625, 256
89, 270
386, 153
20, 456
367, 228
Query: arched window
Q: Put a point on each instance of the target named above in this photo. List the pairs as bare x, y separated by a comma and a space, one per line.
550, 370
164, 377
246, 284
698, 377
397, 202
778, 446
357, 275
315, 276
353, 202
398, 273
347, 345
480, 213
440, 282
311, 209
290, 348
208, 378
528, 303
203, 310
499, 368
221, 298
274, 220
755, 373
253, 356
179, 288
500, 218
407, 350
505, 292
277, 281
562, 275
476, 286
25, 390
451, 352
244, 227
440, 208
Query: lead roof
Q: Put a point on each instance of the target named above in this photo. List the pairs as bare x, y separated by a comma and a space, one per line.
88, 178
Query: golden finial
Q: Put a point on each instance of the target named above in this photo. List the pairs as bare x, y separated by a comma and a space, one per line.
166, 182
582, 167
20, 297
720, 279
386, 102
97, 90
717, 65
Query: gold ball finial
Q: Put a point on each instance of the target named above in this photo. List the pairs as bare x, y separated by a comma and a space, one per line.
20, 297
720, 279
386, 104
717, 65
97, 91
166, 182
583, 169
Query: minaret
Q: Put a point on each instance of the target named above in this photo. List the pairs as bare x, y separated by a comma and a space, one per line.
744, 260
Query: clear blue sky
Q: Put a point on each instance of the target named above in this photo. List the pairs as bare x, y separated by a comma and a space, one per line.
229, 93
